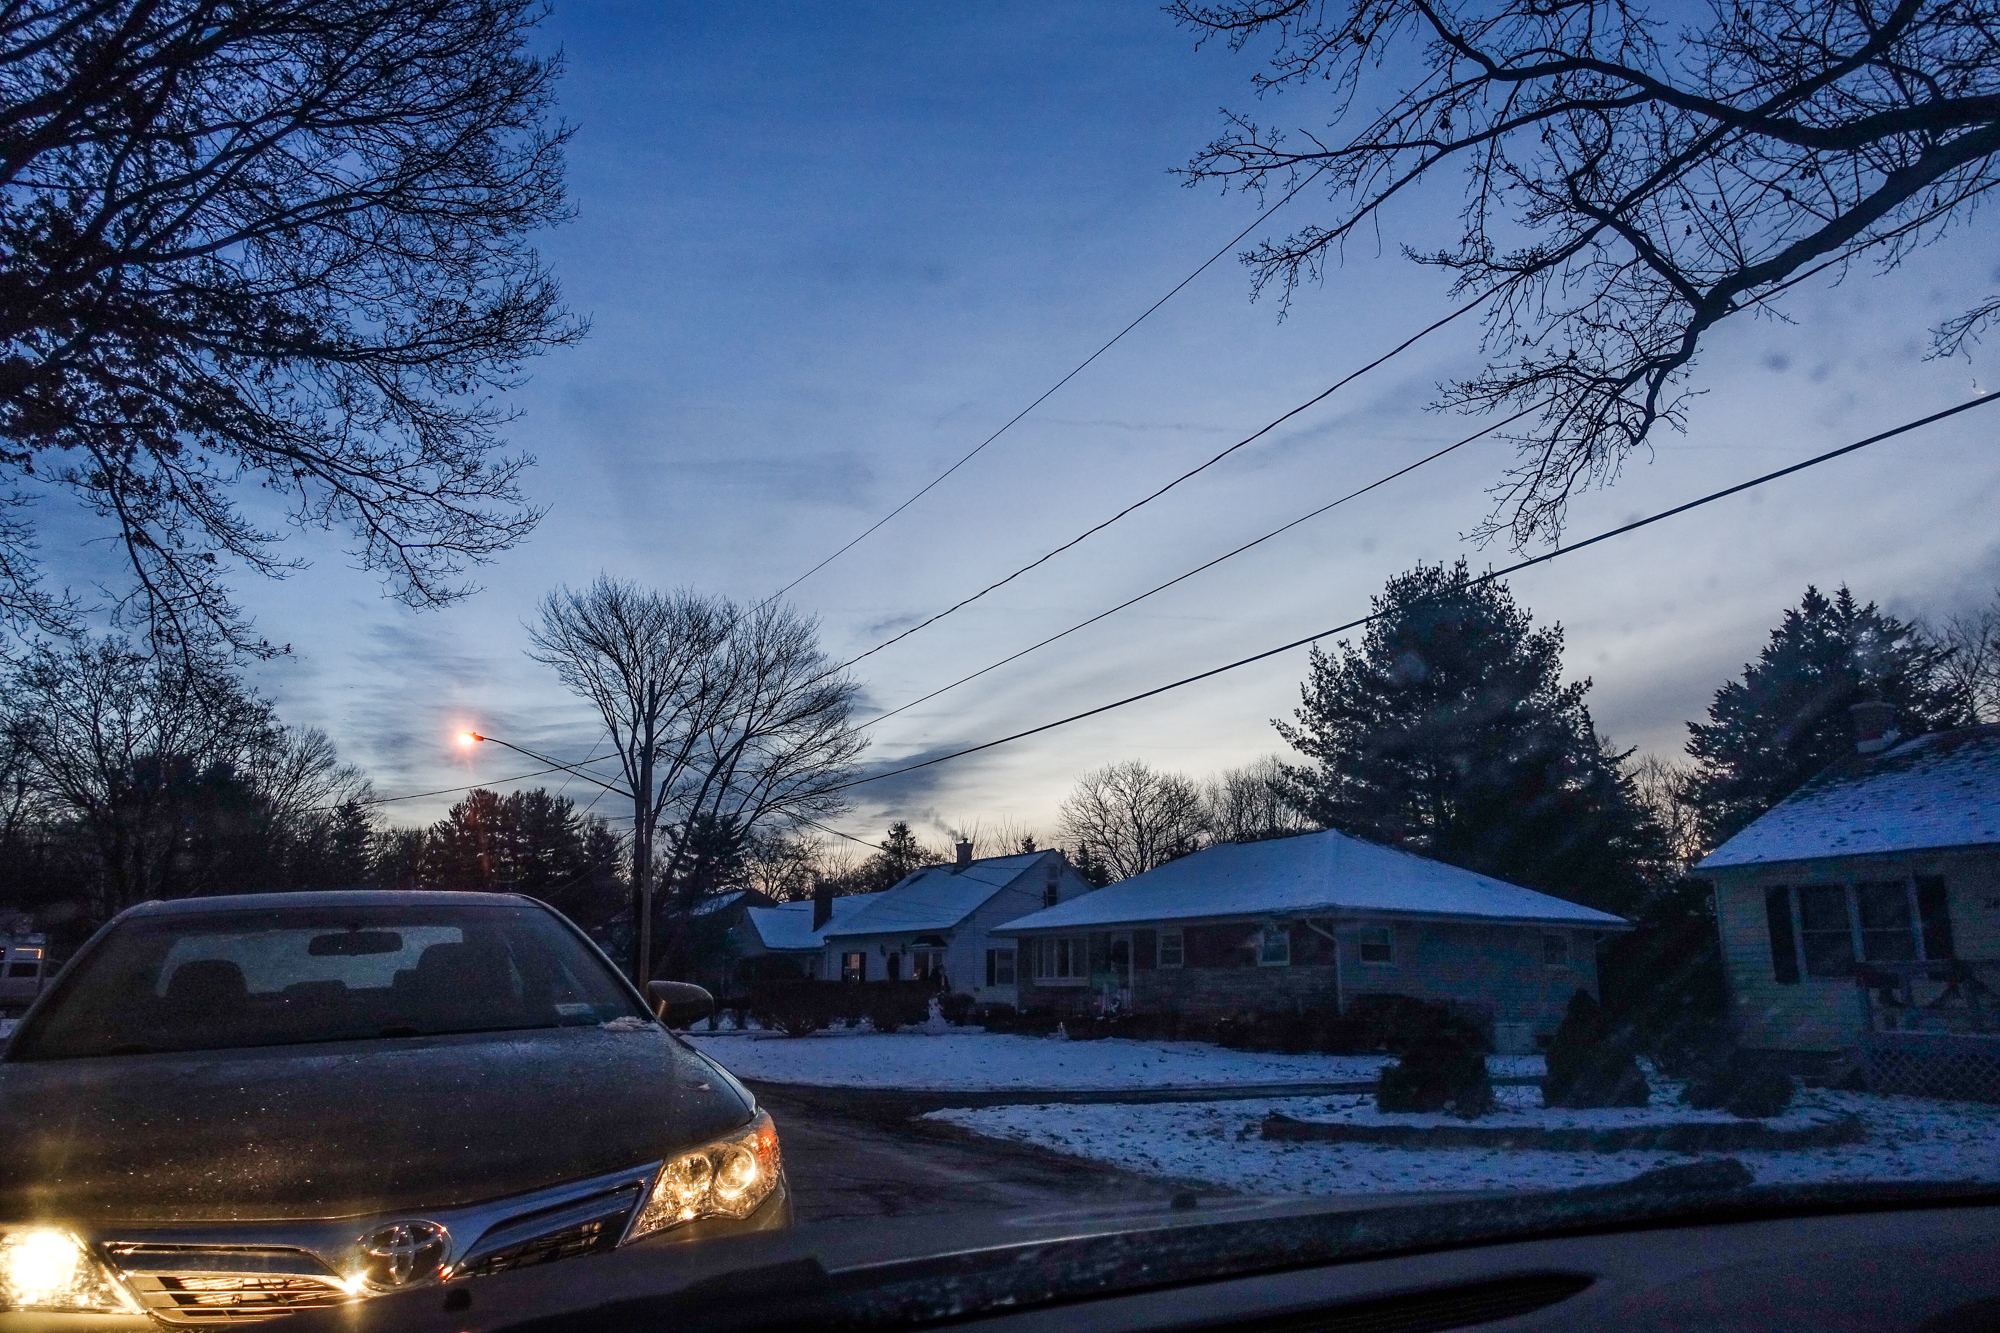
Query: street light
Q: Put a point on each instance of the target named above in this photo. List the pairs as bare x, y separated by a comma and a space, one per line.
642, 907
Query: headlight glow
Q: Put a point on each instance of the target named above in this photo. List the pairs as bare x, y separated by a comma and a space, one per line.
726, 1178
45, 1269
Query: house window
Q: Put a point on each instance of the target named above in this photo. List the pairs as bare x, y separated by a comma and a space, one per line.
1934, 917
1888, 921
999, 967
1063, 961
1274, 947
1876, 921
1378, 944
1784, 944
854, 967
1826, 932
1173, 951
1555, 950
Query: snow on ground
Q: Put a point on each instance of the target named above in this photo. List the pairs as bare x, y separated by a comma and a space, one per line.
1909, 1138
1521, 1108
969, 1059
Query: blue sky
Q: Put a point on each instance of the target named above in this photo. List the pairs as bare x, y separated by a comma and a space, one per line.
827, 249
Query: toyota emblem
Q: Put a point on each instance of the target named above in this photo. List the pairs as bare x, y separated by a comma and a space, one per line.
403, 1252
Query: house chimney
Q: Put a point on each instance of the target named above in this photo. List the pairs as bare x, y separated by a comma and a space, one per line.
964, 853
822, 903
1874, 729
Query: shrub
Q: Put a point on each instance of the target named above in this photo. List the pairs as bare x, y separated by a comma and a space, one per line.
801, 1013
1038, 1022
1443, 1067
956, 1008
1744, 1084
898, 1006
1140, 1027
1590, 1062
886, 1014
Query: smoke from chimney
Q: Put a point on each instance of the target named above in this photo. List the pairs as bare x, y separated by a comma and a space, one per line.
1874, 726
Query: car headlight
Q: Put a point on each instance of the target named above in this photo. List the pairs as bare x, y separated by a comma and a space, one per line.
726, 1178
42, 1268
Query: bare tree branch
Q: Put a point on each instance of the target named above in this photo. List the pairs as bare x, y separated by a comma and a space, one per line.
1630, 183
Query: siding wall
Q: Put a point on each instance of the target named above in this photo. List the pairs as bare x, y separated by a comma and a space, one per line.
1824, 1013
1496, 969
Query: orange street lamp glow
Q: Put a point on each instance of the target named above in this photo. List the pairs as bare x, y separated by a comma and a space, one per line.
468, 737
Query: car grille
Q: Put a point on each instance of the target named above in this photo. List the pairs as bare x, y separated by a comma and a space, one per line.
188, 1285
587, 1226
207, 1285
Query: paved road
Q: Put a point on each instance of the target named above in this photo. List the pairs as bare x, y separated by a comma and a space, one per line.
869, 1162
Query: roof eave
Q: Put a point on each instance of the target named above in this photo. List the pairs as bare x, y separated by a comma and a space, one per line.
1476, 918
1708, 862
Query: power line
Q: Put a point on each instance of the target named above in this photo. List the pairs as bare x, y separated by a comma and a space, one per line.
1181, 578
1081, 366
1190, 473
1484, 578
490, 782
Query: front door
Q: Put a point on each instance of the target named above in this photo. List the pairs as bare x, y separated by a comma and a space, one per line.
1119, 962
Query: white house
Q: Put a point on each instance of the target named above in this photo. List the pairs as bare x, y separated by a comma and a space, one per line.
795, 933
1864, 908
937, 922
1313, 921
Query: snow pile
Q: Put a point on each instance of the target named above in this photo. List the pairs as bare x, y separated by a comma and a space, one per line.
1909, 1138
969, 1059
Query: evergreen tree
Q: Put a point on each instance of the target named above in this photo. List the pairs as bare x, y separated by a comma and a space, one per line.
1094, 871
1787, 718
528, 842
902, 853
1449, 732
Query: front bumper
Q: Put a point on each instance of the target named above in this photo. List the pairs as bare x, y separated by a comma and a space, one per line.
210, 1275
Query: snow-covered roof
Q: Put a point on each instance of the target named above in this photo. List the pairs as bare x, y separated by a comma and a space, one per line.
1313, 872
1939, 790
790, 925
936, 897
716, 902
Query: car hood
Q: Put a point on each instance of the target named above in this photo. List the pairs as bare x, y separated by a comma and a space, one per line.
349, 1128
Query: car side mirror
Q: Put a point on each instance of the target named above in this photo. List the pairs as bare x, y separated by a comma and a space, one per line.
678, 1003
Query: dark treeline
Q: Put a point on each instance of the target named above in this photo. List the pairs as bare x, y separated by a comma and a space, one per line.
129, 776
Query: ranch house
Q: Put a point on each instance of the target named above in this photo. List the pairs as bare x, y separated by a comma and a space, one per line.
1310, 921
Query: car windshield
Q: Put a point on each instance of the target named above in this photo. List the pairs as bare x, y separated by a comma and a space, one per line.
199, 981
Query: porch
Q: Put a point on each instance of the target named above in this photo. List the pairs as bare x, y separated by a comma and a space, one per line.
1930, 1029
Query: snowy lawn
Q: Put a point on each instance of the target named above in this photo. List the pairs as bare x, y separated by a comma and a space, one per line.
1521, 1107
1909, 1138
969, 1059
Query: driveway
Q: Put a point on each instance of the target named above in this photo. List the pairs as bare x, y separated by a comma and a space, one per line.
872, 1160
